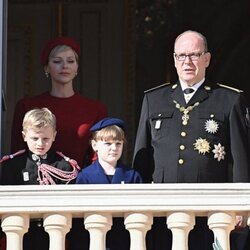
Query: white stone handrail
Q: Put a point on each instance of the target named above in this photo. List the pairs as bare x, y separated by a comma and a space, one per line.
137, 203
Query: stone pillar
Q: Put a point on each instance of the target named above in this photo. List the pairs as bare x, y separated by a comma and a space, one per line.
221, 224
248, 219
138, 224
57, 226
180, 224
97, 225
15, 226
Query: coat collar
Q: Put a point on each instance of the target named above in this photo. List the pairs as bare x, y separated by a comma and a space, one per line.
202, 93
118, 177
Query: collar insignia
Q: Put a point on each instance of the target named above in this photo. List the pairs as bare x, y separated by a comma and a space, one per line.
39, 157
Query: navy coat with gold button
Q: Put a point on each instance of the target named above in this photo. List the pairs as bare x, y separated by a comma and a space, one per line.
212, 146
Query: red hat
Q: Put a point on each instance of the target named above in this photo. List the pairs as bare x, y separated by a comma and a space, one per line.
58, 41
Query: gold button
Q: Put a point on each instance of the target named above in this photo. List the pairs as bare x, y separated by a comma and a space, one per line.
183, 134
181, 161
182, 147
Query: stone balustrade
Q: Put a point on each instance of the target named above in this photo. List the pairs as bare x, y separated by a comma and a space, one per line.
137, 203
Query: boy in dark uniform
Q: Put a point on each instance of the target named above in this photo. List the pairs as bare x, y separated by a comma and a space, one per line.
38, 165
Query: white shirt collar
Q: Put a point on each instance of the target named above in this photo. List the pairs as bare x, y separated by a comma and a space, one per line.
195, 86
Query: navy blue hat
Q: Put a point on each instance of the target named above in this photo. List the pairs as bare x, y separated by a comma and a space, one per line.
107, 122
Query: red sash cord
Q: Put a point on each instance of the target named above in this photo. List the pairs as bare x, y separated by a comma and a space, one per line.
45, 172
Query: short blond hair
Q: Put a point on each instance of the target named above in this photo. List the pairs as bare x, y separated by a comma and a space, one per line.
39, 118
112, 132
61, 48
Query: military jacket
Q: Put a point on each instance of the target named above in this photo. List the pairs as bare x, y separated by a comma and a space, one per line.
205, 140
23, 169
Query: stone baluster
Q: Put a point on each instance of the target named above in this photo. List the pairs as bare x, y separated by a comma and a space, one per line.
180, 224
221, 224
248, 219
57, 226
138, 224
15, 226
97, 225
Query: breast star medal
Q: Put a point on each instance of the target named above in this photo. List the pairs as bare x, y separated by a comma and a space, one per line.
219, 152
211, 126
202, 146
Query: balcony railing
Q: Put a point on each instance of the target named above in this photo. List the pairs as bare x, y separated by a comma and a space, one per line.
137, 203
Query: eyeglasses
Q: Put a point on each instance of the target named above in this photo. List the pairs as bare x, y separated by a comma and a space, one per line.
192, 56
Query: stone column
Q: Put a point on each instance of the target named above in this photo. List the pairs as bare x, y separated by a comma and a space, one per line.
97, 225
221, 224
57, 226
248, 219
15, 226
138, 224
180, 224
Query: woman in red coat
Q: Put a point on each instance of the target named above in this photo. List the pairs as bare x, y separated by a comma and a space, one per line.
75, 114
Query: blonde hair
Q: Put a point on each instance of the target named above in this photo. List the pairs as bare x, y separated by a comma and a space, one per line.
39, 118
112, 132
61, 48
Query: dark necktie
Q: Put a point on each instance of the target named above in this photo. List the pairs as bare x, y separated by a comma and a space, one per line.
188, 91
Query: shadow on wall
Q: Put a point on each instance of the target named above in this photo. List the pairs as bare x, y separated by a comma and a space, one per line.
236, 68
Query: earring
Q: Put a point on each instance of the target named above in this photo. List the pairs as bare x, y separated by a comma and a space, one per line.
76, 74
46, 74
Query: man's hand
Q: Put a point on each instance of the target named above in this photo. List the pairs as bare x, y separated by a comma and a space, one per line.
240, 222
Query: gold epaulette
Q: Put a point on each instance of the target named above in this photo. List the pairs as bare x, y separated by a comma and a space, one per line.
228, 87
157, 87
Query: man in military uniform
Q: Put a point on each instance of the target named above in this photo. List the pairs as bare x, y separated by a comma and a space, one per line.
194, 131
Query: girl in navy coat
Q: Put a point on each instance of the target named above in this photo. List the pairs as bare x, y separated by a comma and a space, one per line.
107, 141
